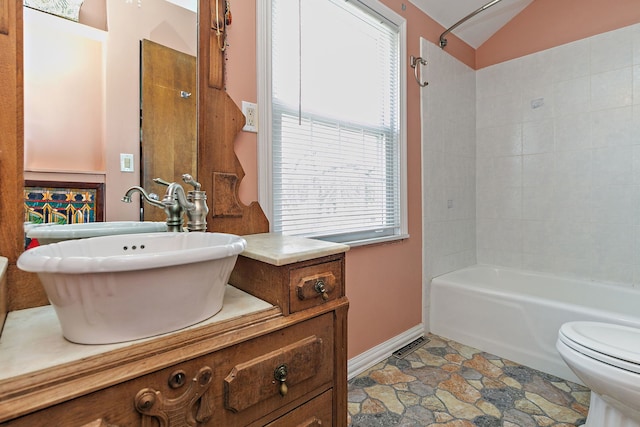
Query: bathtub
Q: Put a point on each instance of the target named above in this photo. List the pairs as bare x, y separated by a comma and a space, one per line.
516, 314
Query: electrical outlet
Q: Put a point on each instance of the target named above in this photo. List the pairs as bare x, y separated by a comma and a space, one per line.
126, 162
250, 111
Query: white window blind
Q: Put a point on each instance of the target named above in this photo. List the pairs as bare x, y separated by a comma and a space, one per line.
335, 112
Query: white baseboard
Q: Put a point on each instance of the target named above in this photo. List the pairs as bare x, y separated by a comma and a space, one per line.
369, 358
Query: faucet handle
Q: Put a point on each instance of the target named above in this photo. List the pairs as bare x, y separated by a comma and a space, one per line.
161, 181
189, 180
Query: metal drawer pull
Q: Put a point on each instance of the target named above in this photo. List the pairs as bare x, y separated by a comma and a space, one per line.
321, 289
280, 374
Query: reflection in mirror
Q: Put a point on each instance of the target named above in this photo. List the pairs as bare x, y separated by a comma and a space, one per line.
168, 118
82, 93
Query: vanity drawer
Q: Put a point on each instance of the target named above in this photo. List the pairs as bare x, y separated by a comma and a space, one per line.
315, 413
252, 374
292, 287
315, 284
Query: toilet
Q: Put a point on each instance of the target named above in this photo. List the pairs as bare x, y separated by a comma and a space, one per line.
606, 357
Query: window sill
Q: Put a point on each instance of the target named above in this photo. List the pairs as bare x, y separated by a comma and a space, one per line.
367, 242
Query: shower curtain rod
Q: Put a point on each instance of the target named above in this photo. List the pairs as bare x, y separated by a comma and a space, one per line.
443, 41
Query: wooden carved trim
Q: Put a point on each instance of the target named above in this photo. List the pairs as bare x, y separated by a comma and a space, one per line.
225, 190
217, 40
216, 63
4, 17
177, 412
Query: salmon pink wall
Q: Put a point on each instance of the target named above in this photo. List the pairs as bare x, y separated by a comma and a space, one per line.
548, 23
384, 282
63, 61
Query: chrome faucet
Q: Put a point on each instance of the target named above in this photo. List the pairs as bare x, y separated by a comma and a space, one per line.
193, 203
151, 198
174, 213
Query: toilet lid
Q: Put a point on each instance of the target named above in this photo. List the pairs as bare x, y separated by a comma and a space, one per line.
613, 344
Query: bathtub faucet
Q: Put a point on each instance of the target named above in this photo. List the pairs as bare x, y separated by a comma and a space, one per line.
174, 215
193, 203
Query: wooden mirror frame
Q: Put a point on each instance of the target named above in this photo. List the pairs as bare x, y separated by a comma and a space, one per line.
219, 170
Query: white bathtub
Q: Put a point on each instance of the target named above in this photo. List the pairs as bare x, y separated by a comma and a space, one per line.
516, 314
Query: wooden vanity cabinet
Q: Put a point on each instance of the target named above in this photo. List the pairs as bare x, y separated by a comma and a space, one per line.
283, 366
231, 387
300, 287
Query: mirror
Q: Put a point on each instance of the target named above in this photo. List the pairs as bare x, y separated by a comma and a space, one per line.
83, 90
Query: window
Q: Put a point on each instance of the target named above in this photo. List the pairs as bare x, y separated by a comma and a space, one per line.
334, 142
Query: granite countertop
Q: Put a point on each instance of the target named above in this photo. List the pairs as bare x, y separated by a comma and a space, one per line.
277, 249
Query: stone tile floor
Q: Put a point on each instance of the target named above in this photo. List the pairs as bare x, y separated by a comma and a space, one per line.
448, 384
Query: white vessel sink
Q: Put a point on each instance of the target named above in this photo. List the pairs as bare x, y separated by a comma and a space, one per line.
51, 233
131, 286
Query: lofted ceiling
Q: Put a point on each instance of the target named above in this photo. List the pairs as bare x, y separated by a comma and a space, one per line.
478, 29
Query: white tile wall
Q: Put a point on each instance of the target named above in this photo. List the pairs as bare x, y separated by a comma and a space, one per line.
558, 186
535, 163
449, 161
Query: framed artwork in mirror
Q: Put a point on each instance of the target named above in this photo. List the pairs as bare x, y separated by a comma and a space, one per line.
63, 202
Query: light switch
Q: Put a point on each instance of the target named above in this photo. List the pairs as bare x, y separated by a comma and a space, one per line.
126, 162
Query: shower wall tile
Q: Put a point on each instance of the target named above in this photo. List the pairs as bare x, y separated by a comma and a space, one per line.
636, 256
538, 103
571, 60
616, 204
535, 72
572, 96
538, 170
449, 163
572, 203
636, 84
499, 110
538, 203
635, 161
612, 89
612, 50
536, 236
507, 171
537, 137
635, 36
572, 267
573, 168
499, 141
572, 132
613, 166
613, 127
558, 176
